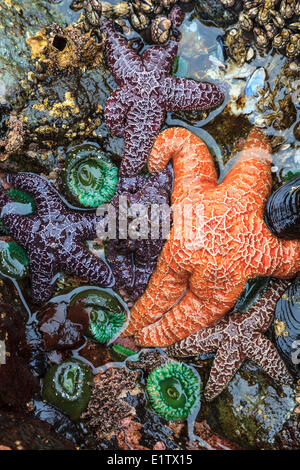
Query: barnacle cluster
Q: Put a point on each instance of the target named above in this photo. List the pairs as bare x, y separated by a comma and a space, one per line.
279, 100
273, 23
108, 405
57, 49
151, 15
14, 139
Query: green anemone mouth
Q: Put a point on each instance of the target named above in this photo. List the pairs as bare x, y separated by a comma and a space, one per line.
14, 261
174, 390
67, 386
106, 314
105, 325
90, 177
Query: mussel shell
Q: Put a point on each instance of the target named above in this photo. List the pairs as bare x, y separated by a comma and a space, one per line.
282, 212
256, 80
287, 326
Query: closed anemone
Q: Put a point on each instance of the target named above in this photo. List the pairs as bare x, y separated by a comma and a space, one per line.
174, 390
24, 204
90, 178
68, 387
14, 261
106, 314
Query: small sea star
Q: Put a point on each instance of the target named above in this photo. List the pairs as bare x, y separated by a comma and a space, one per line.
53, 236
137, 109
224, 241
238, 337
133, 261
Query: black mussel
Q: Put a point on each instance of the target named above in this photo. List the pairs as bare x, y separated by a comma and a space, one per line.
287, 327
282, 213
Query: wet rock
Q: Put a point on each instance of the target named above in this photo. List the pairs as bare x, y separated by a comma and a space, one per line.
17, 383
19, 19
255, 412
20, 431
215, 11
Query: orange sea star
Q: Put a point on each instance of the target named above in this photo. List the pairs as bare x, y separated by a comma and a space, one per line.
204, 266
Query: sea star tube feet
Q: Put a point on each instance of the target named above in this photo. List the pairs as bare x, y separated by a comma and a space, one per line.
146, 91
204, 266
53, 236
236, 338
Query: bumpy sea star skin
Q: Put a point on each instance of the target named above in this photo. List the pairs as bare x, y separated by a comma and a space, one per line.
133, 261
238, 337
204, 266
137, 109
53, 236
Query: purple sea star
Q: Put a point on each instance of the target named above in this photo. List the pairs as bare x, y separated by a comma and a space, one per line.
53, 236
133, 261
236, 338
137, 109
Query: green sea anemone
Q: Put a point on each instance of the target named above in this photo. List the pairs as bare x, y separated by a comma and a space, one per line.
14, 261
89, 176
24, 202
174, 390
106, 314
68, 387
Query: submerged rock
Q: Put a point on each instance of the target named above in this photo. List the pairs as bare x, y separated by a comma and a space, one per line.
254, 411
20, 431
216, 12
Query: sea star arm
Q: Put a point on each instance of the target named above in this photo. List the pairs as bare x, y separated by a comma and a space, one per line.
227, 361
115, 112
87, 266
186, 317
192, 163
260, 315
121, 58
184, 94
261, 351
140, 132
45, 197
251, 175
42, 277
145, 262
204, 341
281, 258
167, 284
122, 267
160, 58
